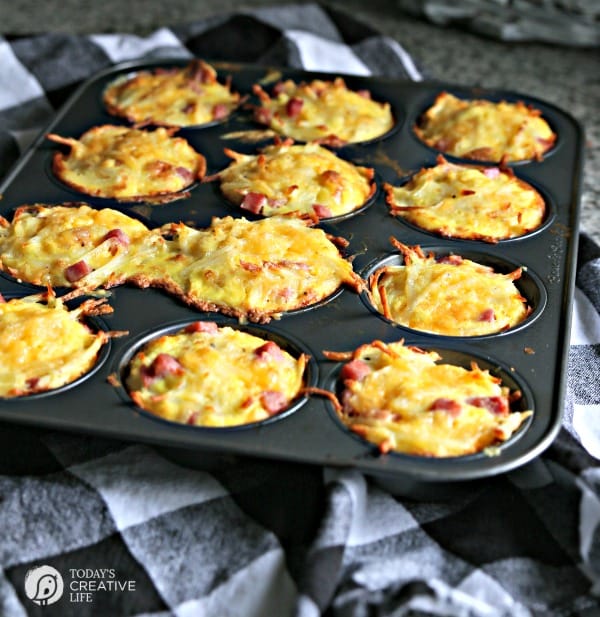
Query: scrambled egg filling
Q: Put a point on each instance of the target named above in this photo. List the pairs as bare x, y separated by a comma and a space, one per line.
127, 163
486, 131
461, 201
325, 111
307, 179
44, 345
209, 376
257, 268
43, 243
246, 269
452, 296
185, 96
402, 399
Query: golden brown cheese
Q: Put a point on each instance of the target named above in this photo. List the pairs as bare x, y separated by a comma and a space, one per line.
450, 295
484, 130
461, 201
212, 376
254, 270
44, 345
63, 245
180, 96
128, 164
324, 111
306, 179
404, 400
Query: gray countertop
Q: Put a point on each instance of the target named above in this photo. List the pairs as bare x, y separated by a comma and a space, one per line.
567, 77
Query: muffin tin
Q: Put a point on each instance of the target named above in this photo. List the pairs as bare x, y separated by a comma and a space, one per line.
531, 357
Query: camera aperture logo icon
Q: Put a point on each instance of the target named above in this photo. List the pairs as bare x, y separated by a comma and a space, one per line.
44, 585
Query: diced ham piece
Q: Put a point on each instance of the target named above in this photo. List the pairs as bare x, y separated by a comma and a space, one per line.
253, 202
346, 396
263, 115
491, 172
146, 377
32, 383
192, 418
202, 326
273, 401
119, 235
278, 88
288, 263
285, 293
331, 175
355, 370
487, 315
250, 267
448, 405
546, 141
77, 271
466, 192
494, 404
294, 107
323, 212
332, 140
165, 364
366, 94
2, 300
185, 173
200, 72
453, 260
270, 350
220, 111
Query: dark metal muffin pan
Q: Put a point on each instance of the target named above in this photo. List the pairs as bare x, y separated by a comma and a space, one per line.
532, 357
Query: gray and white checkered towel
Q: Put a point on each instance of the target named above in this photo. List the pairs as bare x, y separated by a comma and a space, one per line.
133, 534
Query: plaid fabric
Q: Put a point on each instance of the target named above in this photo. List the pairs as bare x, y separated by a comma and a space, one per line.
132, 533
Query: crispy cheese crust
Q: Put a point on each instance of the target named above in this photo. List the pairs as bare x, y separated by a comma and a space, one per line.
404, 400
253, 270
44, 345
181, 96
305, 179
462, 201
206, 375
127, 163
485, 131
323, 111
450, 296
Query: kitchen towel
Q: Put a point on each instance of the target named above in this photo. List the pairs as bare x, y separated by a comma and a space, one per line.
121, 530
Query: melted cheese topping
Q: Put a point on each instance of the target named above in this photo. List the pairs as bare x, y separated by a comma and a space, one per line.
460, 201
171, 97
219, 378
323, 111
296, 178
405, 401
42, 242
44, 346
257, 269
125, 163
242, 268
484, 130
456, 298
